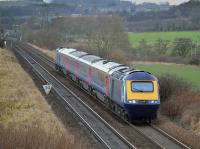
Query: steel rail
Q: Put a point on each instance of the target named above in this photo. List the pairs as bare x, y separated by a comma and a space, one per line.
138, 129
103, 131
169, 136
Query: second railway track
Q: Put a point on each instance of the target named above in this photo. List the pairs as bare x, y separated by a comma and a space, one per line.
158, 139
105, 133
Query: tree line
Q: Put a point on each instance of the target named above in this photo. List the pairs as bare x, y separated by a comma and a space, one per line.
100, 35
181, 50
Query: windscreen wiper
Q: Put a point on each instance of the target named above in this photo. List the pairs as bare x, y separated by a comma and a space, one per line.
138, 90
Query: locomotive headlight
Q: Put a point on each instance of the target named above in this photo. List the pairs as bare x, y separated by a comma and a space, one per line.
132, 101
153, 101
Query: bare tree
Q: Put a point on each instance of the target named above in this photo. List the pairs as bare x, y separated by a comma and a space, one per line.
102, 34
182, 46
108, 35
161, 46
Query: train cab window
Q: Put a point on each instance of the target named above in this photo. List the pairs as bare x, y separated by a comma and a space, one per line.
142, 86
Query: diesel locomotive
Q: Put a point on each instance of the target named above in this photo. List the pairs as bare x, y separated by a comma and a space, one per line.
130, 93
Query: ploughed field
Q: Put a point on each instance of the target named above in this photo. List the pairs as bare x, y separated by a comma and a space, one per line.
152, 37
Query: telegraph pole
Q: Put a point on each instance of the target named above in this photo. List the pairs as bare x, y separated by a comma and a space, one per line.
45, 17
95, 7
81, 7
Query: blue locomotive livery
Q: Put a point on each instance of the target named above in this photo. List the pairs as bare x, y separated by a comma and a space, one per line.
132, 94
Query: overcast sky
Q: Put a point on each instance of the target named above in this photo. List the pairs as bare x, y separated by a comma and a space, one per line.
174, 2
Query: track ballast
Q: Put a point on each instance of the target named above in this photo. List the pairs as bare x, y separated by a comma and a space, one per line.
165, 141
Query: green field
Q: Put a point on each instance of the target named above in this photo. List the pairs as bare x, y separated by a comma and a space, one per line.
152, 37
189, 73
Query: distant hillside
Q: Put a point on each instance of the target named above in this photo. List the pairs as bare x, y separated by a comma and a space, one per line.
188, 9
183, 17
86, 1
19, 3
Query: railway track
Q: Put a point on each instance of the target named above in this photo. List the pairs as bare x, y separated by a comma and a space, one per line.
160, 138
104, 132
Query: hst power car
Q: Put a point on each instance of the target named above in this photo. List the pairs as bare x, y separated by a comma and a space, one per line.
132, 94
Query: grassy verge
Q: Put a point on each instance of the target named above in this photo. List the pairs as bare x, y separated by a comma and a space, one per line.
50, 53
26, 119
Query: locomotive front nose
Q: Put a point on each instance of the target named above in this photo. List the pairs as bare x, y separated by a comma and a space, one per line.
142, 98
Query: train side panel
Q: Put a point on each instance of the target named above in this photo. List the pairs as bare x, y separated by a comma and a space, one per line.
116, 90
87, 73
98, 80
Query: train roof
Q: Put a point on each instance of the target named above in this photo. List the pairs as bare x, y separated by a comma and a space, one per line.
91, 58
115, 69
78, 54
66, 50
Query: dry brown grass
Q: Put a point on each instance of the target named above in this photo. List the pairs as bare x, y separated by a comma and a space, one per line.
180, 103
185, 136
50, 53
25, 116
35, 137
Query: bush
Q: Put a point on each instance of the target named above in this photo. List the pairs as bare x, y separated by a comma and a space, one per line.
170, 85
119, 56
194, 61
179, 105
175, 94
182, 46
177, 98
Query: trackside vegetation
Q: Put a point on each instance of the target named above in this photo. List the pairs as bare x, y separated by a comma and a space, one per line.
179, 102
26, 119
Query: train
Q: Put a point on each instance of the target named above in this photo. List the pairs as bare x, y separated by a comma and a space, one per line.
130, 93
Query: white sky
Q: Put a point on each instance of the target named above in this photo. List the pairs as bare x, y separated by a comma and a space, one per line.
174, 2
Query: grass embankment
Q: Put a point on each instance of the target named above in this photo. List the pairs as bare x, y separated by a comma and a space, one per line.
187, 72
26, 119
181, 105
179, 100
152, 37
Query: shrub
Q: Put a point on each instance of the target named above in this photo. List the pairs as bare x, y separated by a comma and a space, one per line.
176, 94
179, 104
194, 61
119, 56
182, 46
170, 85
